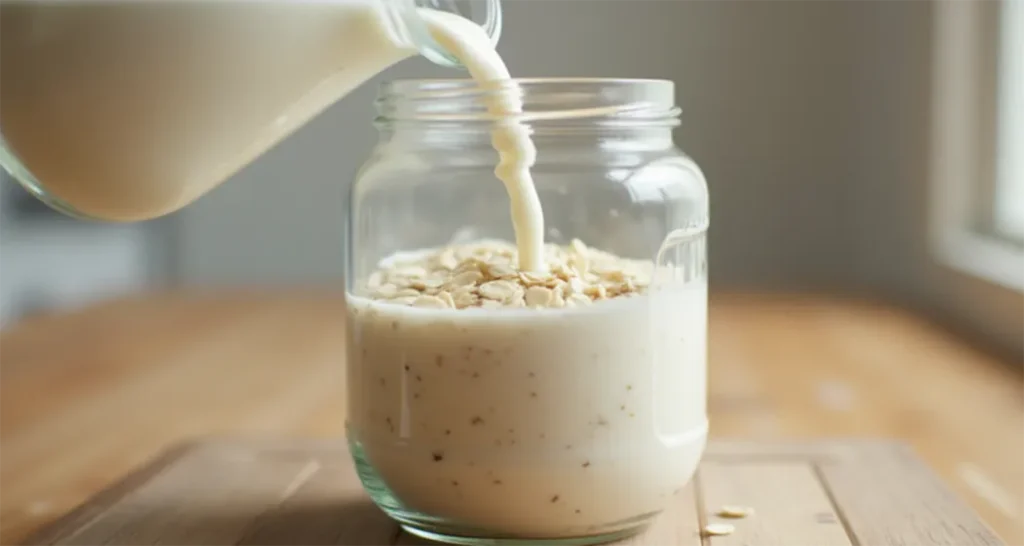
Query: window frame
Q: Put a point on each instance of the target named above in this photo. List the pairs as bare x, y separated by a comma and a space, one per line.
964, 144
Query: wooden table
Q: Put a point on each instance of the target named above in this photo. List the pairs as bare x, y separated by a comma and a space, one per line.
86, 397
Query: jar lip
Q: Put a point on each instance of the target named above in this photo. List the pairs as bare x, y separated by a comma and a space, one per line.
404, 85
559, 100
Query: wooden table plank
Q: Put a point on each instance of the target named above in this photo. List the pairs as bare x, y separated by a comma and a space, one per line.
216, 497
906, 501
792, 504
295, 492
320, 513
130, 378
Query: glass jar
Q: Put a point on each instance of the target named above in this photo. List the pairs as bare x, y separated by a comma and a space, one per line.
108, 114
573, 417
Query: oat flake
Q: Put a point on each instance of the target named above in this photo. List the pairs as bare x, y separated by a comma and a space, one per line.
718, 529
485, 274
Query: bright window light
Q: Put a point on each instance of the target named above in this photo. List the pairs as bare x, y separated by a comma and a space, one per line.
1009, 195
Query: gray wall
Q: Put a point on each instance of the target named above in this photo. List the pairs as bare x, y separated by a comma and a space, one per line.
887, 210
765, 88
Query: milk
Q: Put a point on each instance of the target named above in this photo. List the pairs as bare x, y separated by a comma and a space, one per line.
550, 423
132, 110
511, 139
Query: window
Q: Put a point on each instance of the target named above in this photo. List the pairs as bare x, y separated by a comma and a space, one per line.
1008, 213
977, 168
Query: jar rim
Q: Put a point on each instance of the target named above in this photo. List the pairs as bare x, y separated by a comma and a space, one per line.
540, 79
401, 85
559, 99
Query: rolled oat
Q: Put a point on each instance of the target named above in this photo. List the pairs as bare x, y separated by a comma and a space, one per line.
485, 275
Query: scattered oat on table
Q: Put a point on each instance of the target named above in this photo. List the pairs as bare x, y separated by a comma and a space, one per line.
718, 529
735, 512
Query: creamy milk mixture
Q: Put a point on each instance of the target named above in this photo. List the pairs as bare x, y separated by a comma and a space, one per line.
545, 405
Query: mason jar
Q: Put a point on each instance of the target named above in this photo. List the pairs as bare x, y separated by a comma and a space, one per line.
564, 403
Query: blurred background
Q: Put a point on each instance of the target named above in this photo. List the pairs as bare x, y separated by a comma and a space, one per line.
815, 123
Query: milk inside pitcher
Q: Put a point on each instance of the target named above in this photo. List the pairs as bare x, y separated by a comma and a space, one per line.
131, 110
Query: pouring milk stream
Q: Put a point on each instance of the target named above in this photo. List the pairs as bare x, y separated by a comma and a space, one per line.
132, 110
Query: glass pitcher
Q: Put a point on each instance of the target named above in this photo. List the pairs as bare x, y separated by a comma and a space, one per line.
131, 110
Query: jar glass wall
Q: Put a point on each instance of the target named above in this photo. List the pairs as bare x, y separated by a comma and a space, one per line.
570, 420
